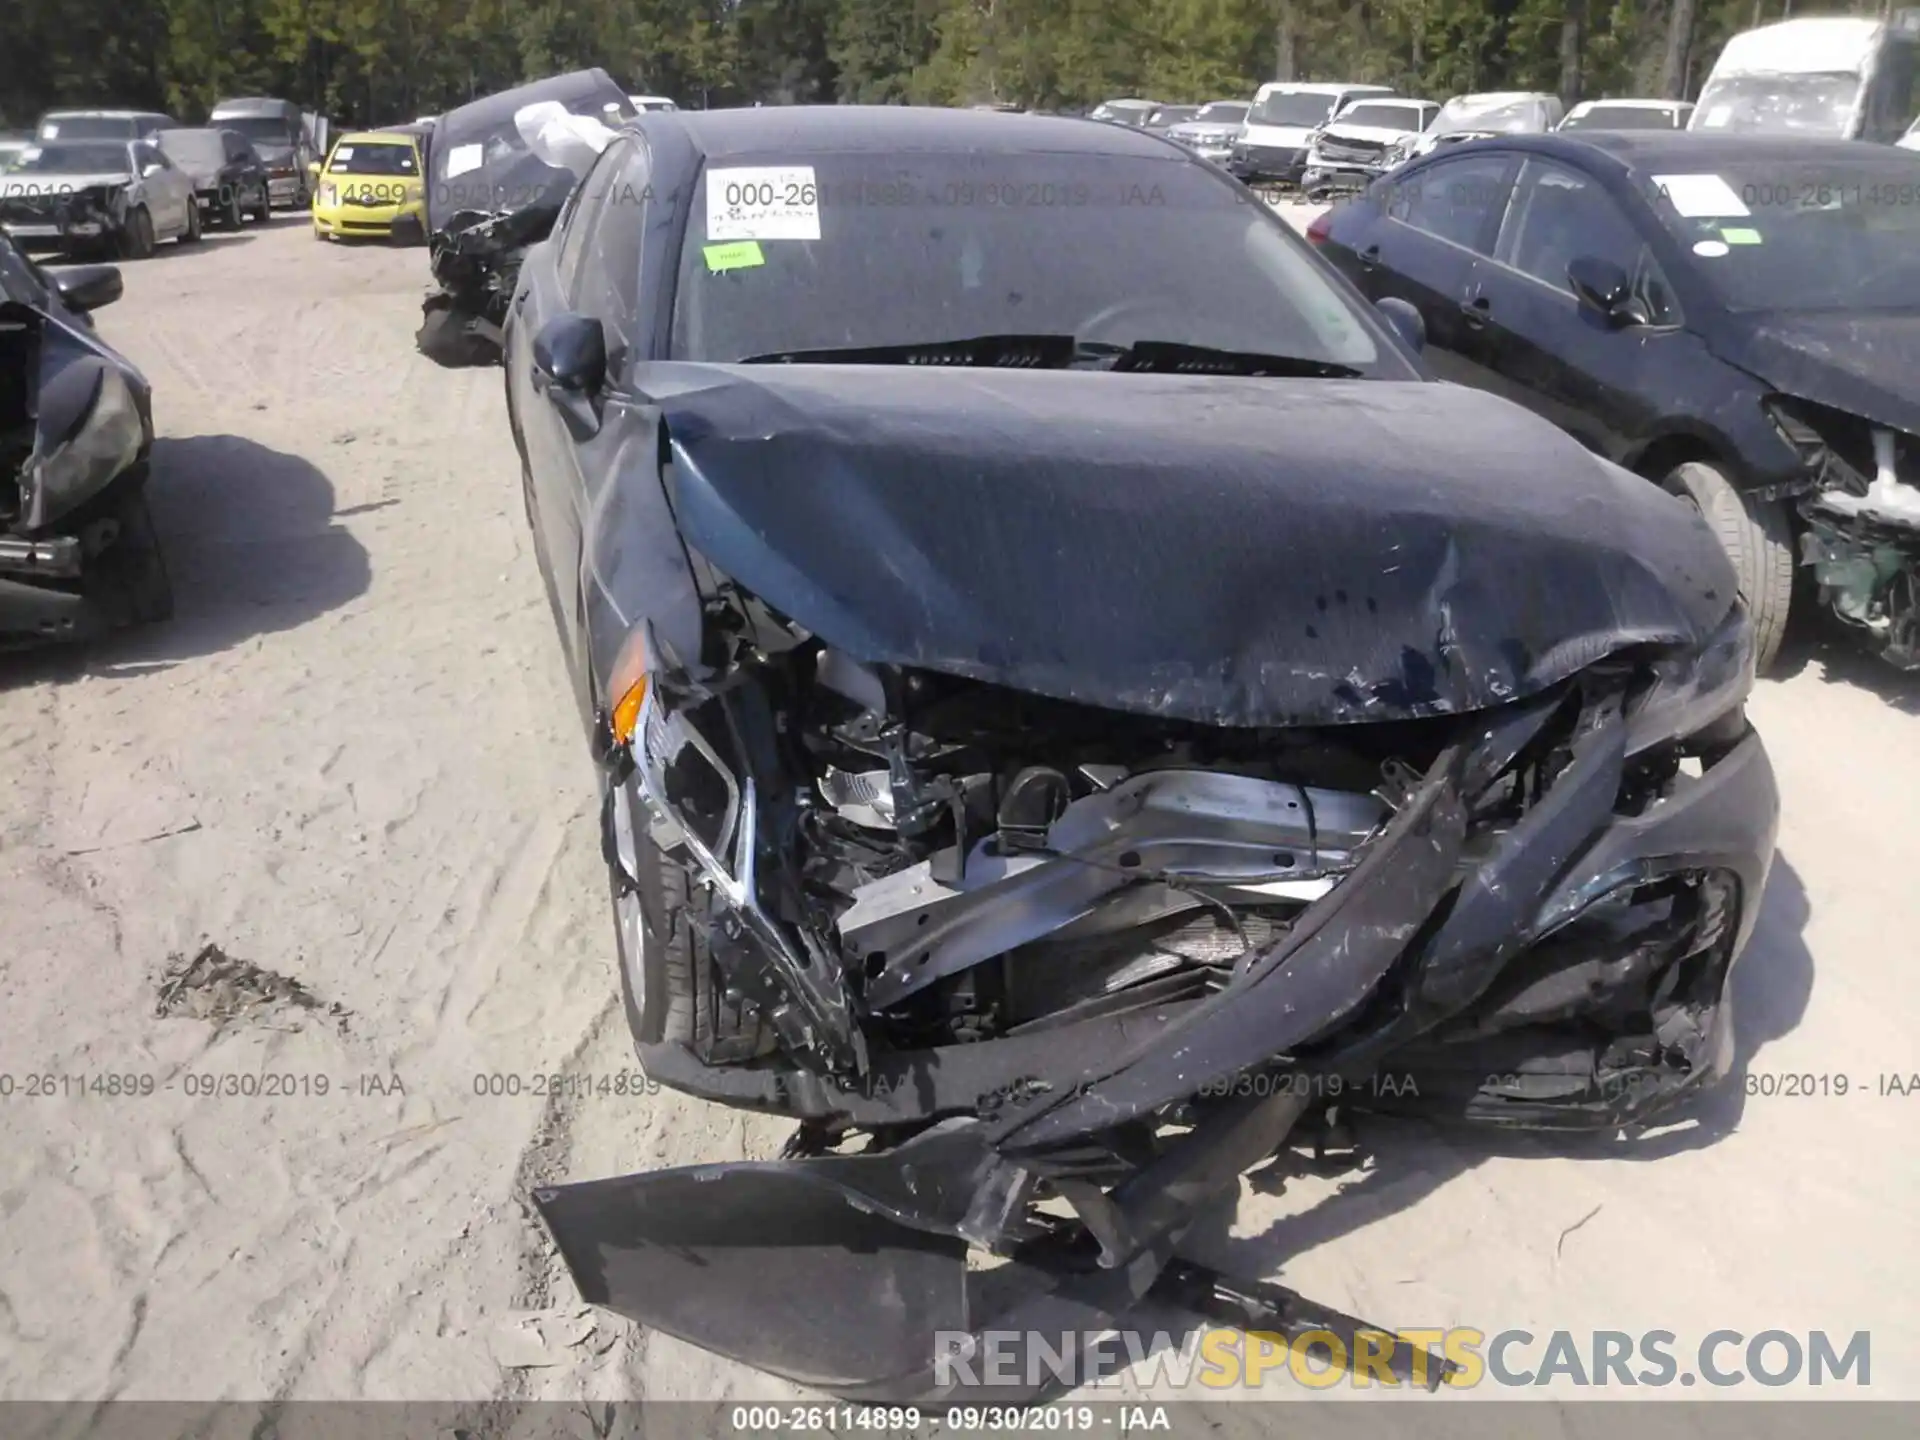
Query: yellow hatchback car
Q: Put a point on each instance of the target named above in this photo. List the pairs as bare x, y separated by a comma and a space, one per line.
372, 184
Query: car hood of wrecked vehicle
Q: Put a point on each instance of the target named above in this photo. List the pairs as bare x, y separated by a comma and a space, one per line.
1862, 363
1248, 552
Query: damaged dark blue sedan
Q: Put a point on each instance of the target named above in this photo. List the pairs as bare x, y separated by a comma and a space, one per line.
1073, 695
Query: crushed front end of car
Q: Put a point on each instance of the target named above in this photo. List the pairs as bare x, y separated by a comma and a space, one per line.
78, 556
1859, 506
1034, 932
503, 168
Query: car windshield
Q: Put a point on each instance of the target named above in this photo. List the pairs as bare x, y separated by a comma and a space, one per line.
917, 249
1384, 117
194, 147
1292, 107
1809, 104
1131, 112
372, 157
1623, 117
85, 157
87, 127
1173, 114
269, 128
1480, 112
1790, 234
1221, 112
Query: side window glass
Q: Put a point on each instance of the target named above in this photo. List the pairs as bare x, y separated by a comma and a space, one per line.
145, 155
1560, 215
610, 282
1453, 199
583, 209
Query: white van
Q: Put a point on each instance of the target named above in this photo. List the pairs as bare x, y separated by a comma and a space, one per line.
1273, 143
1845, 76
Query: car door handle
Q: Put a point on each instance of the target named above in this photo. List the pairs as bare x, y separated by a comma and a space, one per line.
1370, 257
1476, 310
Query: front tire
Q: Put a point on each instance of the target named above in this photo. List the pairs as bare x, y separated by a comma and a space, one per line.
680, 996
233, 219
130, 575
1758, 538
136, 236
191, 235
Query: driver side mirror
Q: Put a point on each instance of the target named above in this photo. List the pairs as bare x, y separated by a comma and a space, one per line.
1406, 320
1606, 289
87, 287
569, 367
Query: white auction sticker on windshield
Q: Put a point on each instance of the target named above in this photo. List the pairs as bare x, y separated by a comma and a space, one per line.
1701, 197
763, 202
463, 158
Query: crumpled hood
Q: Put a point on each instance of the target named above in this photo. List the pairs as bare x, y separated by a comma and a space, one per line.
1367, 134
39, 185
1230, 551
1865, 364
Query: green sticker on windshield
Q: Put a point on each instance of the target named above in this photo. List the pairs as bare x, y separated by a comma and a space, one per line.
734, 255
1740, 237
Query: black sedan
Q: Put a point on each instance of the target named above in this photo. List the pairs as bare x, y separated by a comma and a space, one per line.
1736, 318
1057, 664
78, 556
229, 177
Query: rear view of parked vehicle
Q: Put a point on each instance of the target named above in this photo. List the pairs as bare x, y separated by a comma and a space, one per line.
229, 178
1733, 317
87, 196
78, 556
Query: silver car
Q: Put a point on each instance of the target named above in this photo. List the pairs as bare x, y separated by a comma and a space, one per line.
82, 195
1210, 133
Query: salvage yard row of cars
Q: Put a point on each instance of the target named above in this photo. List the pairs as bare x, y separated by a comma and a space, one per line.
114, 183
1056, 797
1851, 78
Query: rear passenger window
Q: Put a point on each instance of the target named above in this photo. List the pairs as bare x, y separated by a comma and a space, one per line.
1454, 199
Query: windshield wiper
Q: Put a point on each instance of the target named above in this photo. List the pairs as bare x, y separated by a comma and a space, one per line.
1063, 352
1034, 352
1172, 356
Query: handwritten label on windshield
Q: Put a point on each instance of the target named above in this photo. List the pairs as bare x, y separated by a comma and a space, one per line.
763, 202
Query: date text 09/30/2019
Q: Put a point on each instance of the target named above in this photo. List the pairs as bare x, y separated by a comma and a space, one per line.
1057, 1417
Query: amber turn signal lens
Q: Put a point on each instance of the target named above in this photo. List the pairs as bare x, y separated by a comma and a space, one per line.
630, 685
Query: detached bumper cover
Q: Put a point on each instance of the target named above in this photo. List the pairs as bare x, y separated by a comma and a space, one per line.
850, 1273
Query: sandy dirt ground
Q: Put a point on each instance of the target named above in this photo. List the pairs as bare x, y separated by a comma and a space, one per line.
351, 762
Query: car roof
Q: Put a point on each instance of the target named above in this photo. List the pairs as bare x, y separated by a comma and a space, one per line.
377, 137
104, 114
1693, 150
894, 129
1624, 104
195, 130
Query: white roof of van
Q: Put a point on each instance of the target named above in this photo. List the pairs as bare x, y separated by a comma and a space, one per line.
1836, 43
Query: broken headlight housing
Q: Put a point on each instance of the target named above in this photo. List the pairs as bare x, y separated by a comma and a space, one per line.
1694, 695
94, 408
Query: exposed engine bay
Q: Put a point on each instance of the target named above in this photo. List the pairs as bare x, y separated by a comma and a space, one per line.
1862, 524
